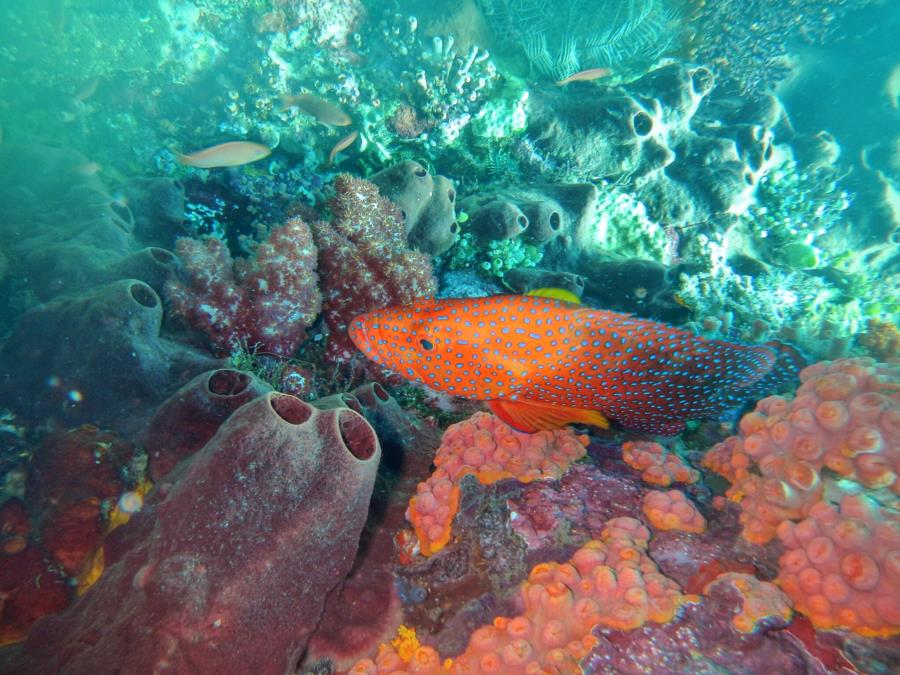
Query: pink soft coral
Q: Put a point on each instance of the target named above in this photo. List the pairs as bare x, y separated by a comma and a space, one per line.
265, 302
365, 261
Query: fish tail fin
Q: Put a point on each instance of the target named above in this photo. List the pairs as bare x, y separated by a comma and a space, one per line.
789, 361
181, 158
764, 370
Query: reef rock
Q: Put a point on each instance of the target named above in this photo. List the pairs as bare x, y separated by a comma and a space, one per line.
237, 554
687, 160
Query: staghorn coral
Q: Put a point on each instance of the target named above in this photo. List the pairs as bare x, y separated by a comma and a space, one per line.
491, 450
364, 261
841, 566
656, 464
267, 301
845, 417
671, 510
610, 582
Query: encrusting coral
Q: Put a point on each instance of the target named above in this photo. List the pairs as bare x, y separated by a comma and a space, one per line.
845, 416
610, 582
491, 450
671, 510
656, 464
761, 600
842, 533
841, 566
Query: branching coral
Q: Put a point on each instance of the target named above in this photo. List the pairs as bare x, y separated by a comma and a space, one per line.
267, 301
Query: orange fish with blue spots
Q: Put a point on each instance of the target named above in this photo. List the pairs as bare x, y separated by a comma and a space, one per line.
541, 362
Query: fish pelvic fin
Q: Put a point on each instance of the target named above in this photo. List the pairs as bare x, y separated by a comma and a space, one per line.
532, 416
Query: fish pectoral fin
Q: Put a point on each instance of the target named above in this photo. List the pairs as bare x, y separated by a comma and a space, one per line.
531, 416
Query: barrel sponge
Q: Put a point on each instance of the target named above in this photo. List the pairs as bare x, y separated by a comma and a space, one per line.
844, 417
841, 566
671, 510
760, 601
656, 464
491, 450
610, 582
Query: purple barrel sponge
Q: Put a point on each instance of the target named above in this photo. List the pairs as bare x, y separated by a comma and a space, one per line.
237, 554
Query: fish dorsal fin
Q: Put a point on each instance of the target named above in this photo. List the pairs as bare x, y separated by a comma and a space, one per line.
556, 294
531, 416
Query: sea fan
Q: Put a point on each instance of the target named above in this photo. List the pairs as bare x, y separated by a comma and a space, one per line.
562, 38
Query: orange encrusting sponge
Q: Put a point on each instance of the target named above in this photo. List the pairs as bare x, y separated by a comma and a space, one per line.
490, 450
671, 510
611, 582
657, 465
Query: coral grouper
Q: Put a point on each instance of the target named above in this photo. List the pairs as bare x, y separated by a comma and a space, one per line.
542, 362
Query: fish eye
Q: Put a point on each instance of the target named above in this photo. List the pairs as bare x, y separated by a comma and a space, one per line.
426, 345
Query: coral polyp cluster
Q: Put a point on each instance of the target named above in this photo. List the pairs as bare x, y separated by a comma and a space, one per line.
841, 566
610, 582
490, 450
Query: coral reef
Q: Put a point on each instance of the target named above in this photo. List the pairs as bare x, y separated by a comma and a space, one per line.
364, 261
840, 566
881, 339
491, 450
64, 229
671, 510
519, 226
749, 42
656, 464
843, 418
279, 489
97, 357
426, 202
609, 582
684, 161
265, 302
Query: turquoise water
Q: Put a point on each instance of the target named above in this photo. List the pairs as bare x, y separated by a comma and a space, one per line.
189, 186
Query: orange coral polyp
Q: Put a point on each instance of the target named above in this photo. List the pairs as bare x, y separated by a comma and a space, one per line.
490, 450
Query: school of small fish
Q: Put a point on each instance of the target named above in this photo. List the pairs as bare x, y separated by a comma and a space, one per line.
542, 363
